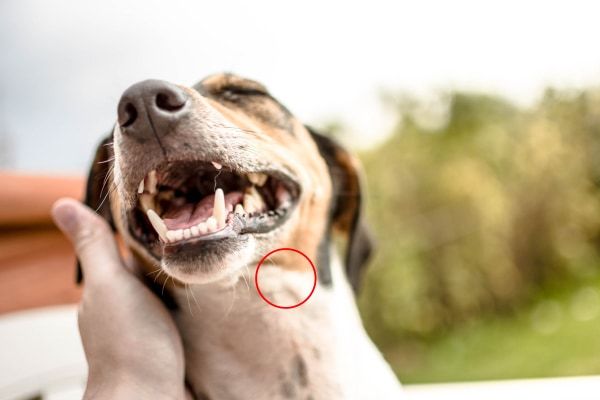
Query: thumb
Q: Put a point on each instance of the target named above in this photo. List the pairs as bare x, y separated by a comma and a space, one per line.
91, 237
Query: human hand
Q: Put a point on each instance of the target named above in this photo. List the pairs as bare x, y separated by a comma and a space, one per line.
131, 343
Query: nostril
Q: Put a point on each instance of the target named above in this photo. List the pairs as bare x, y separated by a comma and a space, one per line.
131, 115
170, 101
151, 108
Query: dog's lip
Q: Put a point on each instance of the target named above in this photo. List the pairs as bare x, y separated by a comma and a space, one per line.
231, 230
236, 227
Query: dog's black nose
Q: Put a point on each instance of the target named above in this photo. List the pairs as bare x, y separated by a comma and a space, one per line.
150, 108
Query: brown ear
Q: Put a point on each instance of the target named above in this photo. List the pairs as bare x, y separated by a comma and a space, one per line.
346, 214
99, 184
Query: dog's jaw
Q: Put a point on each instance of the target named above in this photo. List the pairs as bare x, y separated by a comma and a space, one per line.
212, 266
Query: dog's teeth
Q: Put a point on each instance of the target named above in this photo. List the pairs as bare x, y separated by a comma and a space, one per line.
172, 236
202, 228
178, 234
158, 224
252, 200
216, 165
187, 233
239, 210
211, 224
257, 178
147, 202
194, 231
152, 182
141, 187
219, 212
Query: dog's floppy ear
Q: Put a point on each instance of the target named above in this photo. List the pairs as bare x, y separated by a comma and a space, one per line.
98, 186
346, 214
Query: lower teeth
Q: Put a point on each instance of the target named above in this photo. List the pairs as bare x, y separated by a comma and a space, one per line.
252, 203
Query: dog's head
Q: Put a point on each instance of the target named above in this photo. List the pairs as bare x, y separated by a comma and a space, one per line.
204, 181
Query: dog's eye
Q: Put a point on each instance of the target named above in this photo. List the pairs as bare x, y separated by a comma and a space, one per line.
234, 93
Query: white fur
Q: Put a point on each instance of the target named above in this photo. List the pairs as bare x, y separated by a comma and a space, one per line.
239, 347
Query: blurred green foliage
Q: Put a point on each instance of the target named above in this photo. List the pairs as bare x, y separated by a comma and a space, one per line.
479, 206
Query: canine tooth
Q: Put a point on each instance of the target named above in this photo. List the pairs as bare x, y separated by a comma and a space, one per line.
202, 228
172, 236
211, 224
257, 178
239, 210
187, 233
152, 182
158, 224
141, 187
194, 231
216, 165
147, 202
219, 212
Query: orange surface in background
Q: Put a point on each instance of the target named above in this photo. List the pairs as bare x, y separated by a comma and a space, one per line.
37, 264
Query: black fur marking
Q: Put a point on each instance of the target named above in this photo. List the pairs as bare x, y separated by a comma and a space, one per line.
299, 371
323, 258
287, 390
359, 245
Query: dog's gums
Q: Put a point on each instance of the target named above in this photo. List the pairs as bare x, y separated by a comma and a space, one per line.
184, 202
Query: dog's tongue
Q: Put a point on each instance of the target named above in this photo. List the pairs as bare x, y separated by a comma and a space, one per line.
187, 215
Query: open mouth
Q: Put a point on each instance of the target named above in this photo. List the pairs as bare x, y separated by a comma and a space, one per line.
188, 202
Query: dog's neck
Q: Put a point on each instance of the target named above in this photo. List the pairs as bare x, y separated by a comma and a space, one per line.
238, 346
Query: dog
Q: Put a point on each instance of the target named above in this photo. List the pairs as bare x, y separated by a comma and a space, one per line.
201, 182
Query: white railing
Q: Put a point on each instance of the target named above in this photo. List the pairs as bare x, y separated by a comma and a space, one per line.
40, 354
576, 388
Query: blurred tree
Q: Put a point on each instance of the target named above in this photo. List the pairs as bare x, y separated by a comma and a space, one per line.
476, 215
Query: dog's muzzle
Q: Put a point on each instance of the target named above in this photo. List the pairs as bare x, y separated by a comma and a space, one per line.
184, 202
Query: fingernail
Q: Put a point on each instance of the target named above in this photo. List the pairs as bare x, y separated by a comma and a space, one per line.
65, 216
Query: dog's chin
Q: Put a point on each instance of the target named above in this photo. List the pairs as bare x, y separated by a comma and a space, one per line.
209, 261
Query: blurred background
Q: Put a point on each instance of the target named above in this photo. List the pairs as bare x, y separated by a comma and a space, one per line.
478, 124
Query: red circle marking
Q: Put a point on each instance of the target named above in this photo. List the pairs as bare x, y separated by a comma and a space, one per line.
261, 263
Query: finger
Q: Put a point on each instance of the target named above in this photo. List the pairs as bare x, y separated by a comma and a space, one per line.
91, 237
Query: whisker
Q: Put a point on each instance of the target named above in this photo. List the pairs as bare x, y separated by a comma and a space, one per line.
157, 270
246, 278
162, 292
159, 274
107, 161
233, 292
194, 297
108, 192
188, 299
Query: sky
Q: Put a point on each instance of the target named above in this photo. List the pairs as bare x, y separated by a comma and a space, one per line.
64, 64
